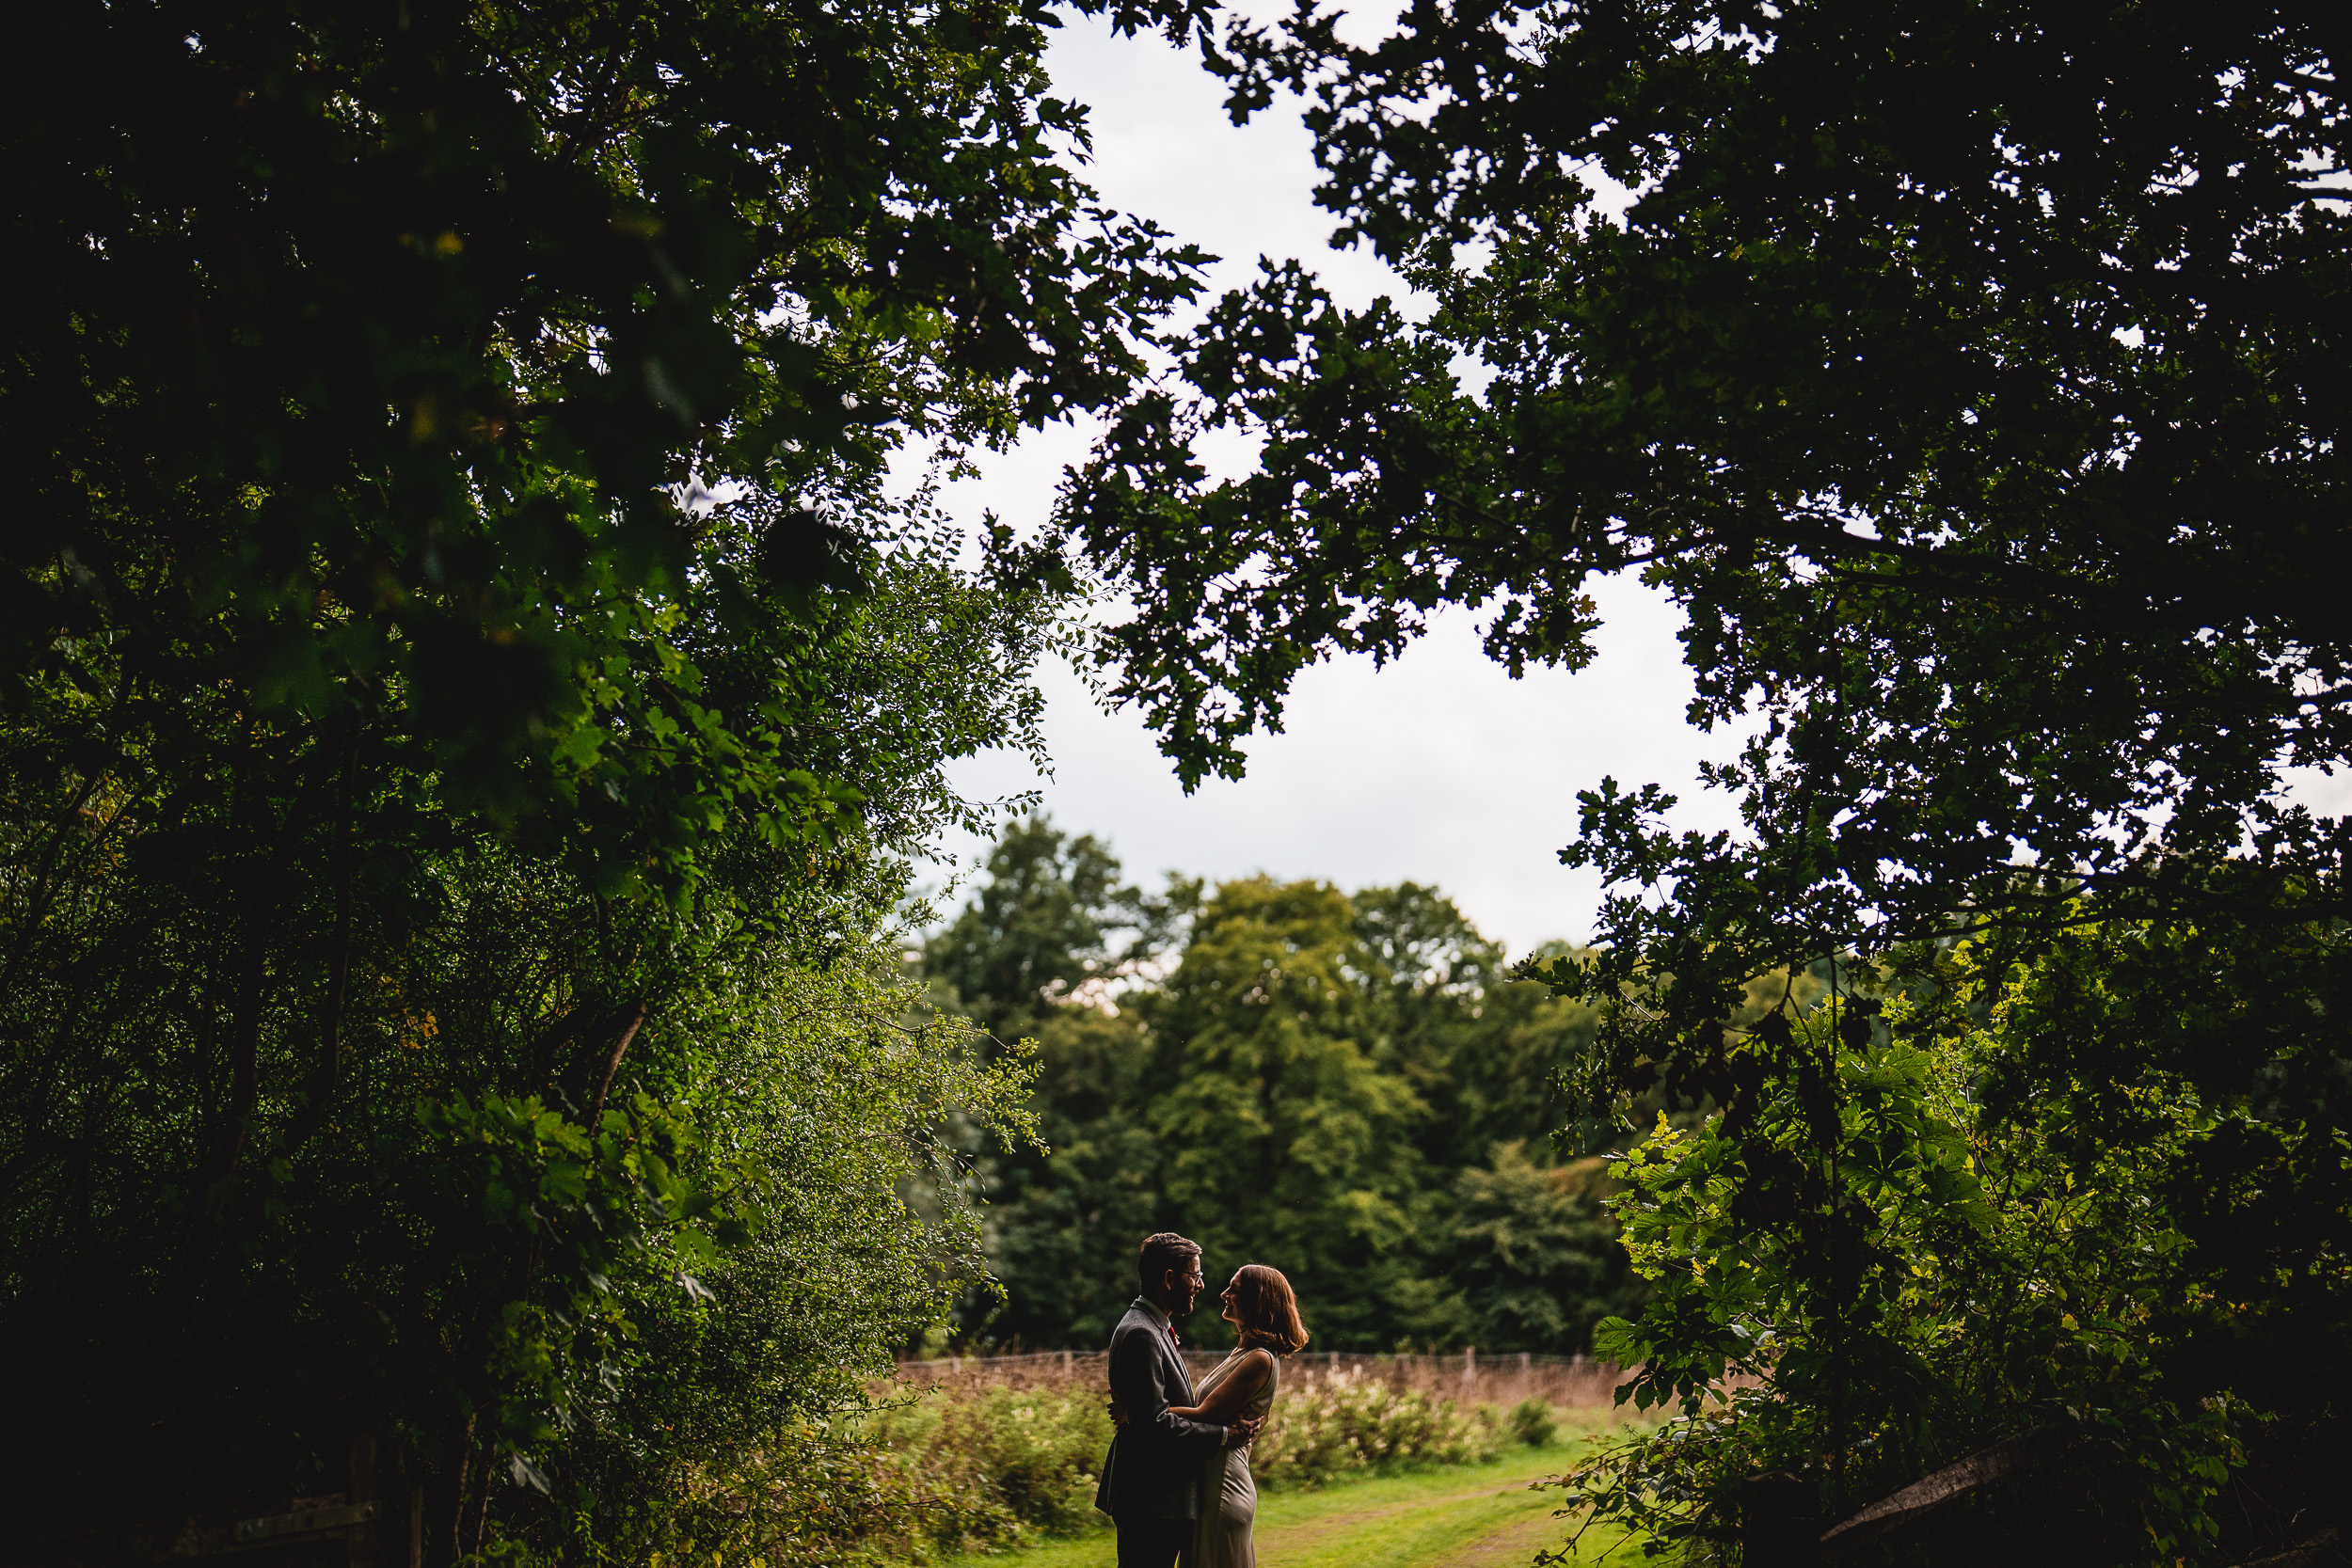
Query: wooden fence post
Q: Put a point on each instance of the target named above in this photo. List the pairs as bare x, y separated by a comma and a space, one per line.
1780, 1523
365, 1546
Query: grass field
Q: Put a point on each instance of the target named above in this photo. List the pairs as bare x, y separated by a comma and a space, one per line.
1472, 1516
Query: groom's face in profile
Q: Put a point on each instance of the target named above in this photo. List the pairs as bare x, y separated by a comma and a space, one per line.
1180, 1287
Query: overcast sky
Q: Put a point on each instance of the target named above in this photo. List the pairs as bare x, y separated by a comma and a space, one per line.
1439, 768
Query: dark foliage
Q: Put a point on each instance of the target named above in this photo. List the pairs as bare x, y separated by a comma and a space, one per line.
1976, 380
464, 697
1351, 1090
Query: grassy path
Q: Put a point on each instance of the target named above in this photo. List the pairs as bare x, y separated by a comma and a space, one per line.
1476, 1517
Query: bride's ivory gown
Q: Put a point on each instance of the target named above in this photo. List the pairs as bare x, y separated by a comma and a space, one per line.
1229, 1499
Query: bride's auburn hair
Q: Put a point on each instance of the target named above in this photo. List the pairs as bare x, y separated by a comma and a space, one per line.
1267, 1308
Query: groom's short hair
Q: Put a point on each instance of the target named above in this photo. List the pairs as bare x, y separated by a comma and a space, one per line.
1162, 1252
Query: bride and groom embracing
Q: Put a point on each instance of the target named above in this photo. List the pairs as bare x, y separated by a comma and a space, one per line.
1177, 1481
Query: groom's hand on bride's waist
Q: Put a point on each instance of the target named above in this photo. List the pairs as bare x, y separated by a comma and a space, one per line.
1238, 1432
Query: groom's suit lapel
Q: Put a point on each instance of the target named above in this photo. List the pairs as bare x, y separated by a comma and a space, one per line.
1165, 1331
1176, 1354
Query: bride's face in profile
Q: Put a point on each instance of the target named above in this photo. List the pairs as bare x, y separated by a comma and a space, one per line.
1232, 1309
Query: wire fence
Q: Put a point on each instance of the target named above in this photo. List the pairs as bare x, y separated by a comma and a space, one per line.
1466, 1376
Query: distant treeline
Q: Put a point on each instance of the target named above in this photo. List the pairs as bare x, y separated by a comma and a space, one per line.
1351, 1088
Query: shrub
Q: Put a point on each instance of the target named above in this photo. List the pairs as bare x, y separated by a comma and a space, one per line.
951, 1469
944, 1471
997, 1466
1349, 1421
819, 1496
1533, 1423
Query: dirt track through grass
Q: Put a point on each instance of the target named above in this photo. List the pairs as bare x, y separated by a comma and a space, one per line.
1479, 1517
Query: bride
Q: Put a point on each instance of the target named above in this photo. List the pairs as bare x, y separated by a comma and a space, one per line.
1260, 1305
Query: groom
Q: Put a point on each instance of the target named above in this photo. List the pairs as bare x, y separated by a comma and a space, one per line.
1151, 1481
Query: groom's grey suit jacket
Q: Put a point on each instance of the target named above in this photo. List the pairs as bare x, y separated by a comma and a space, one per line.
1153, 1468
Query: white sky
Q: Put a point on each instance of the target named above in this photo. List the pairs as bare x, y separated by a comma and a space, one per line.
1439, 768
